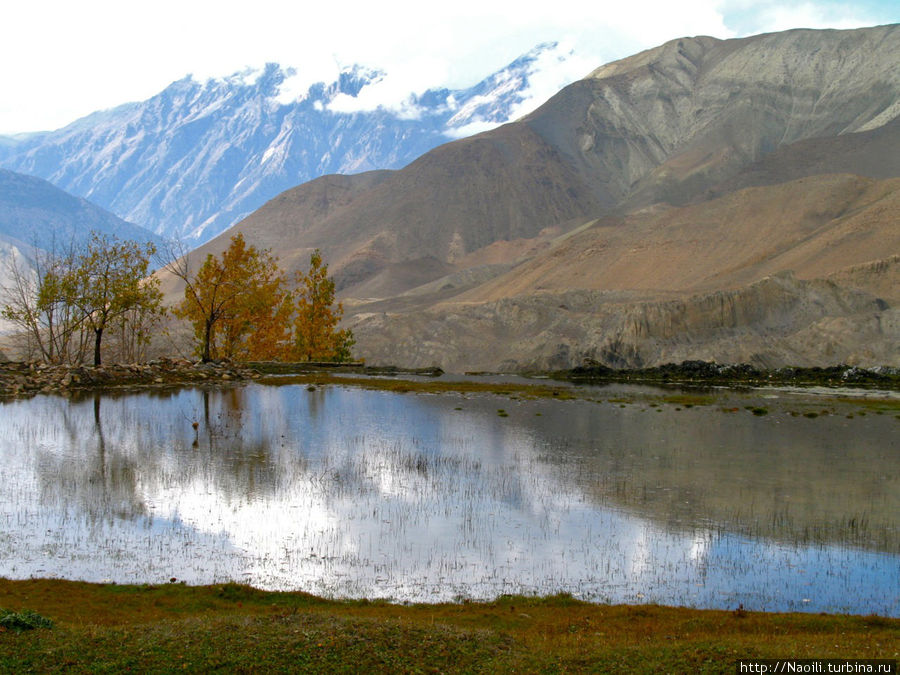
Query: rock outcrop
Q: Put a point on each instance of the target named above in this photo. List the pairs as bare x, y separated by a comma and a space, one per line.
777, 321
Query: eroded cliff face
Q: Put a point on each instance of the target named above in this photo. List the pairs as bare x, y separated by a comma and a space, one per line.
777, 321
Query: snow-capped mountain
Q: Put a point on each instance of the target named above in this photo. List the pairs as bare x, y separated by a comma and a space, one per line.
199, 156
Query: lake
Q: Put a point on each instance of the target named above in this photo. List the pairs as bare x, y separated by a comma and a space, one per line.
775, 500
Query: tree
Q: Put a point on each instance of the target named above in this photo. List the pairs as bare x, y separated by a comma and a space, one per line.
35, 301
316, 336
108, 282
69, 300
134, 331
240, 297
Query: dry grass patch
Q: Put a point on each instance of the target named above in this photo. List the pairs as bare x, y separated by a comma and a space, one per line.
107, 628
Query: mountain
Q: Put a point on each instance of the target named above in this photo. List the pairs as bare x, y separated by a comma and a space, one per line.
727, 199
810, 277
199, 156
34, 213
387, 231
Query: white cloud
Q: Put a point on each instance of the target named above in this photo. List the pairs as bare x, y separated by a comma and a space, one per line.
758, 16
66, 59
470, 129
552, 71
295, 87
392, 91
808, 15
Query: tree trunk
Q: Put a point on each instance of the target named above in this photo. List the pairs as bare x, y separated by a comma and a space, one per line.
205, 357
98, 335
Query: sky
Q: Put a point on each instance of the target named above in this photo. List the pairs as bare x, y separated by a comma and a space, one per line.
63, 60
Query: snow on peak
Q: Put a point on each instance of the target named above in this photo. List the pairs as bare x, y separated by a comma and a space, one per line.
193, 159
293, 88
518, 89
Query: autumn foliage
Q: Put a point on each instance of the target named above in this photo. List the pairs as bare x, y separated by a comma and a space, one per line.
240, 308
76, 298
316, 335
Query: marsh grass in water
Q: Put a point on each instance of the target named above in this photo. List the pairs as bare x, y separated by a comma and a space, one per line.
348, 492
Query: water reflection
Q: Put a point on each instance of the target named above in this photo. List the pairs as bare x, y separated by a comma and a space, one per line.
353, 493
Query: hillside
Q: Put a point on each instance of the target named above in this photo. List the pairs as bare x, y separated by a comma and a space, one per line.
672, 283
35, 213
746, 174
813, 226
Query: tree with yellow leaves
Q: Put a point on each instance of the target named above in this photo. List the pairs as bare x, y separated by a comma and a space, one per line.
239, 298
316, 335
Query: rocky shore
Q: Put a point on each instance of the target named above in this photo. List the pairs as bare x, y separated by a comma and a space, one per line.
708, 372
29, 378
25, 379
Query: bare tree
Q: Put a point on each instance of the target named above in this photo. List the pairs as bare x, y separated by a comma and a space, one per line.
34, 299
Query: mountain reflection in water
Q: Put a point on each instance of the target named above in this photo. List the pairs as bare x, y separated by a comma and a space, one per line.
347, 492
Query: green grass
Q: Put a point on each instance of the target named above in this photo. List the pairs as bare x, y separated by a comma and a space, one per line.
232, 628
24, 620
400, 386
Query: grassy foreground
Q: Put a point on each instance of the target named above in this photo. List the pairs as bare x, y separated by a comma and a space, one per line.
232, 628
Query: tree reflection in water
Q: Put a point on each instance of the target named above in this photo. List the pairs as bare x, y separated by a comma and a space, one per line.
350, 492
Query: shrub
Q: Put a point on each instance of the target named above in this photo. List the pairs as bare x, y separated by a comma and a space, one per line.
24, 620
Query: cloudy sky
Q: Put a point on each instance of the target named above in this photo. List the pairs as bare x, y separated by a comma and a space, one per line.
63, 59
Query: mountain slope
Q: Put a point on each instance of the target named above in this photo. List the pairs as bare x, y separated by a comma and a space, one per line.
456, 199
794, 284
691, 201
672, 124
665, 124
196, 158
874, 153
813, 226
35, 213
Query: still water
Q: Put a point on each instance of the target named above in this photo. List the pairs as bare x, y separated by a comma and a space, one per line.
633, 496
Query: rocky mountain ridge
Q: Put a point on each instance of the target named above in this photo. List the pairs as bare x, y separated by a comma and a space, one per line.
199, 156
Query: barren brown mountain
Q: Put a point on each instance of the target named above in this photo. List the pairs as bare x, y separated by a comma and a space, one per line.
733, 200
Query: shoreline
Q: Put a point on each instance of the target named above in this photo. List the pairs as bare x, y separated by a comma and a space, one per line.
22, 379
81, 627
